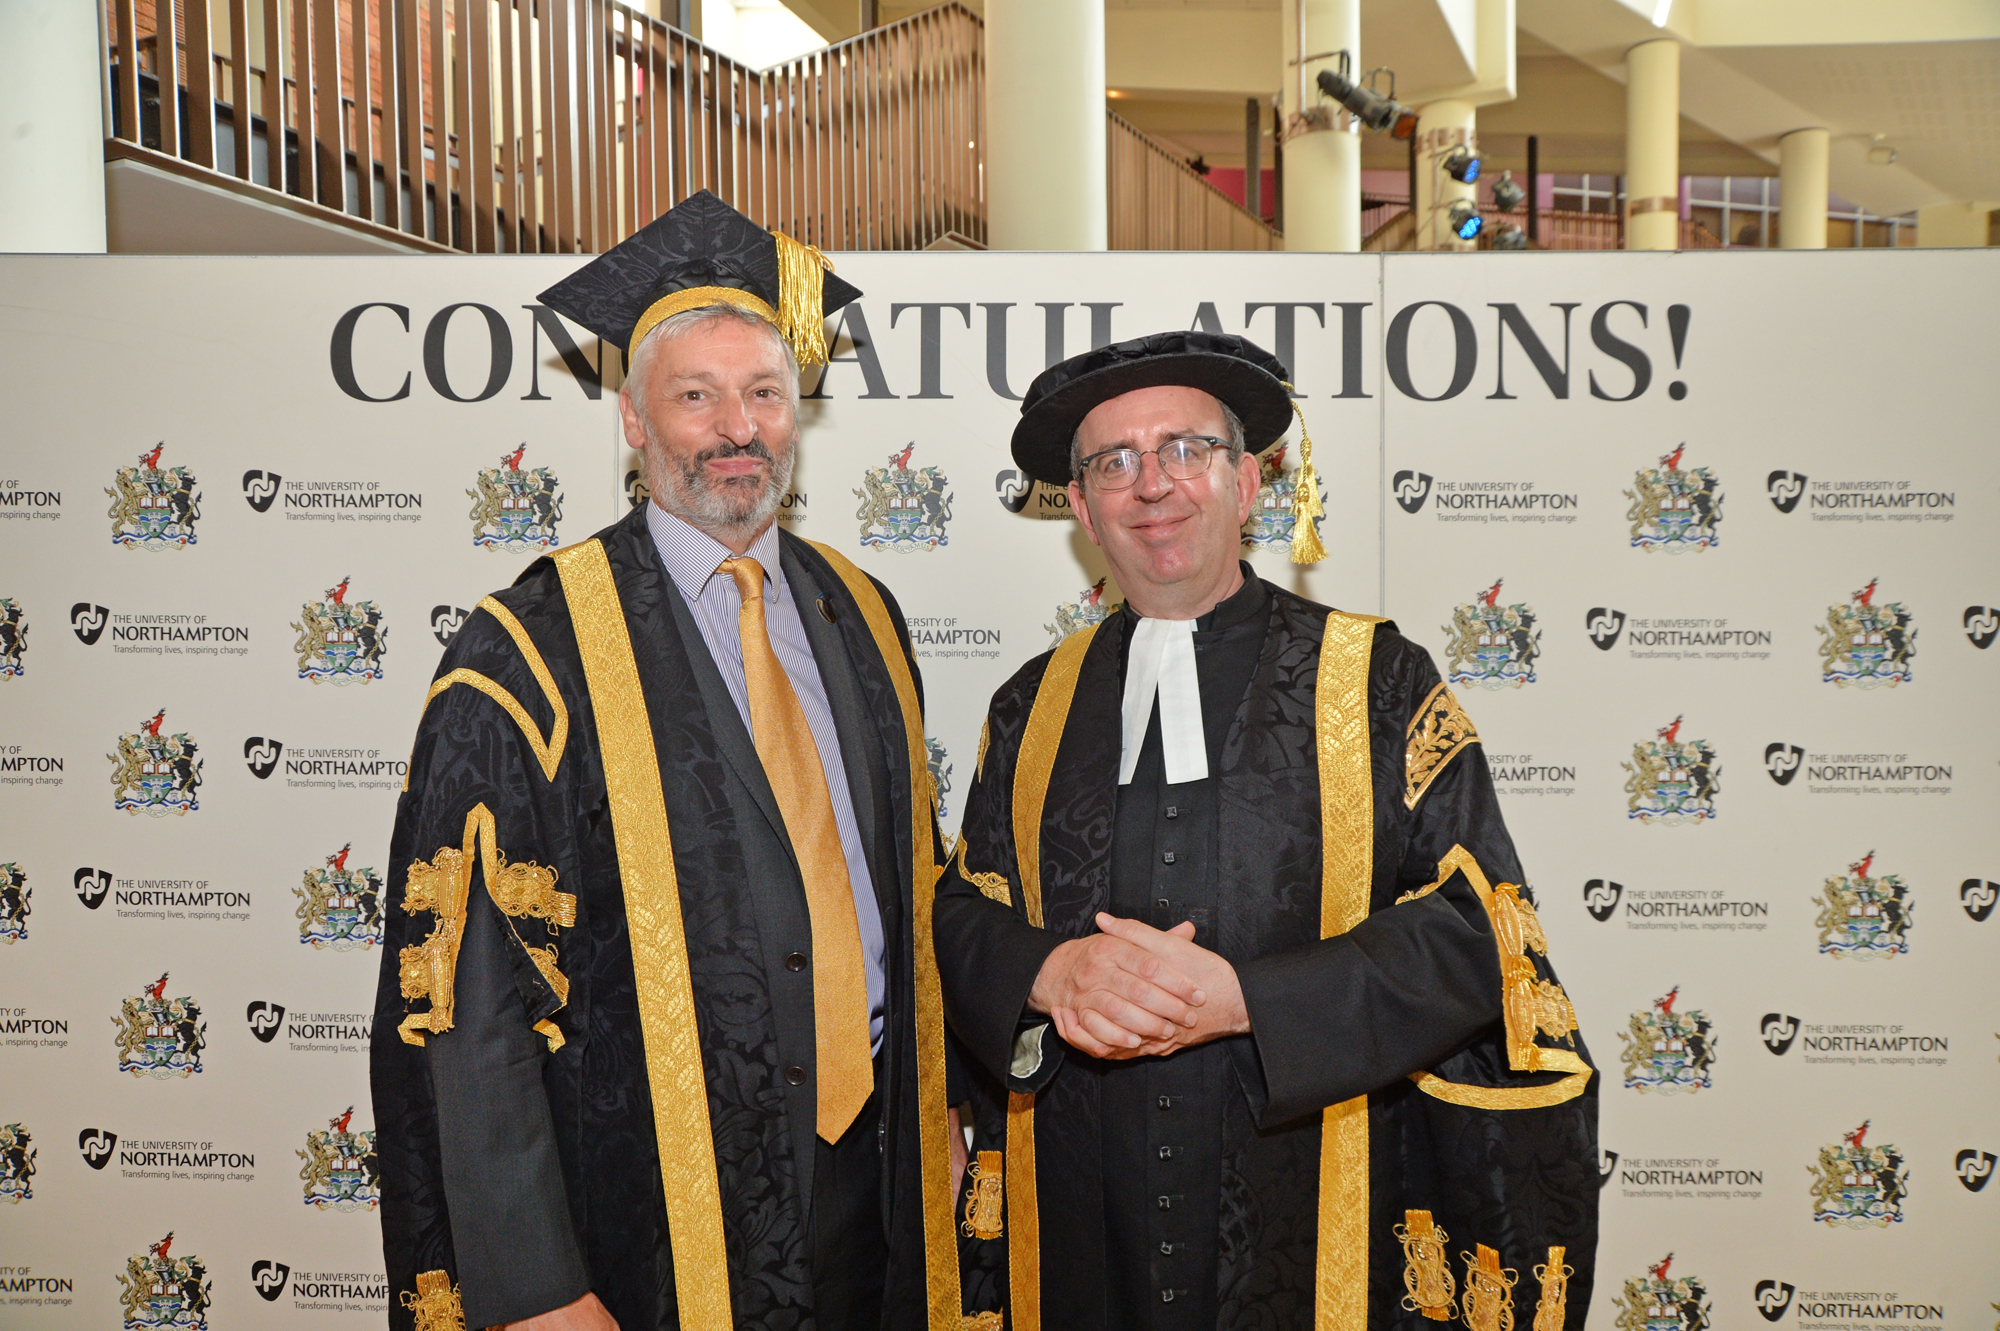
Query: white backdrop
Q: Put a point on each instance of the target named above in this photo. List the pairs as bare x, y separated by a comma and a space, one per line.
1829, 413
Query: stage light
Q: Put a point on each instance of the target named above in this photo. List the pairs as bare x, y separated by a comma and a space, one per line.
1462, 164
1507, 236
1507, 195
1465, 220
1371, 108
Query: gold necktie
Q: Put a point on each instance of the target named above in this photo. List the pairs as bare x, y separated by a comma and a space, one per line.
791, 763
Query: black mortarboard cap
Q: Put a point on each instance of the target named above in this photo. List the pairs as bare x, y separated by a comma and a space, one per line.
703, 252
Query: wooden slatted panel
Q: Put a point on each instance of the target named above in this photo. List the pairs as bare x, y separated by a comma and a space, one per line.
200, 85
475, 139
239, 84
361, 132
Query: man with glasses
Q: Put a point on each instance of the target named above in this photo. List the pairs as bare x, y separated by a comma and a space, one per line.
1235, 932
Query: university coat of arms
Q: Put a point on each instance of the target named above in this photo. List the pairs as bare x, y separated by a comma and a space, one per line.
1088, 608
164, 1292
160, 1036
1858, 1185
515, 508
1271, 521
1864, 917
153, 507
1667, 1052
17, 1164
940, 764
154, 773
340, 909
340, 1173
16, 903
1492, 645
340, 643
13, 638
1658, 1301
1674, 510
903, 508
1671, 780
1865, 645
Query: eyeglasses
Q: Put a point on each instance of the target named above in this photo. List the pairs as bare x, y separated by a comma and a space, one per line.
1181, 459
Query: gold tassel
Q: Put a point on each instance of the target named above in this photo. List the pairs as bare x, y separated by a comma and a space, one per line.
1425, 1275
983, 1198
802, 273
1306, 545
1489, 1292
1550, 1311
436, 1303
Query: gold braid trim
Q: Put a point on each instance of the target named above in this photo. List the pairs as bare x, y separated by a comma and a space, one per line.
435, 1303
1530, 1005
1437, 733
1426, 1275
1489, 1292
983, 1199
979, 763
989, 884
547, 753
1553, 1306
442, 887
981, 1322
678, 302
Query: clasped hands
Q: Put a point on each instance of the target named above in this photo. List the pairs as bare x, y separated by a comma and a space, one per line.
1134, 990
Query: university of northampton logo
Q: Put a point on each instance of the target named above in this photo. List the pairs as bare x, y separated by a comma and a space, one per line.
1982, 625
1667, 1052
1863, 917
1786, 488
340, 643
1658, 1301
1672, 780
1864, 645
164, 1292
940, 764
1858, 1185
153, 507
1271, 521
159, 1036
340, 1172
1088, 608
15, 903
17, 1164
155, 774
13, 638
340, 909
903, 508
1411, 488
514, 508
1492, 645
1674, 510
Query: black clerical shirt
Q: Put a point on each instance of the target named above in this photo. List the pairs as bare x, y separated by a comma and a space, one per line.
1163, 1117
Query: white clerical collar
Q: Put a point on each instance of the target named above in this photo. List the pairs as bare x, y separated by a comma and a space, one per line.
1161, 661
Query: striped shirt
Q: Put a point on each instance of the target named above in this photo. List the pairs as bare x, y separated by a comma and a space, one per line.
692, 558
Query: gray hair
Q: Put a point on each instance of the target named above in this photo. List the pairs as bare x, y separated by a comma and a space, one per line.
679, 325
1232, 429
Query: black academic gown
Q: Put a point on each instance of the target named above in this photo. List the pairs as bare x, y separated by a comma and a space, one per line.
1182, 1192
531, 1176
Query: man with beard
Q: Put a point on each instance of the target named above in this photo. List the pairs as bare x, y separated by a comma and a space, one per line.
1235, 932
656, 1044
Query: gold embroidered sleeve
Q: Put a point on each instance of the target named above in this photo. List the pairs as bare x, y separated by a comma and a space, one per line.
442, 888
548, 752
435, 1303
989, 884
1436, 734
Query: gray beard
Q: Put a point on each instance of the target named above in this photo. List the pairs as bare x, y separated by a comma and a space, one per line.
727, 507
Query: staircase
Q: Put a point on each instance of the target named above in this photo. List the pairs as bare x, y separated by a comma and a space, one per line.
562, 126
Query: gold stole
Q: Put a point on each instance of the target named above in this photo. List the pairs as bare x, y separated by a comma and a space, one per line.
659, 946
1347, 815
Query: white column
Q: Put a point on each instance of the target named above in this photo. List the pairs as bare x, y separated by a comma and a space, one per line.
51, 128
1802, 190
1442, 126
1653, 146
1045, 173
1322, 166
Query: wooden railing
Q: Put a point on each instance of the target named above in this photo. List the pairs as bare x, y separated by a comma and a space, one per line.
1159, 202
558, 125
